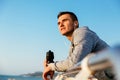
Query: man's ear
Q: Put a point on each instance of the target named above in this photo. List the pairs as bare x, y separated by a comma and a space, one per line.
75, 24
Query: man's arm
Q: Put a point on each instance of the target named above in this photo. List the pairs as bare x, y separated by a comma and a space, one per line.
82, 45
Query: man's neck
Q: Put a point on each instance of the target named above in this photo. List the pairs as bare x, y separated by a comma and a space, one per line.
69, 38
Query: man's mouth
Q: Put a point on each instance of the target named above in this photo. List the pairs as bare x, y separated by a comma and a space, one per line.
62, 29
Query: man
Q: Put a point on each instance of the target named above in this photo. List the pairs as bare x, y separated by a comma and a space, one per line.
83, 42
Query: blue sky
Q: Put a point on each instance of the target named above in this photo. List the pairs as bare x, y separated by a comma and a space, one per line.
28, 29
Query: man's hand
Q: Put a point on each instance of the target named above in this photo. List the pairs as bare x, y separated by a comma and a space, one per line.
47, 72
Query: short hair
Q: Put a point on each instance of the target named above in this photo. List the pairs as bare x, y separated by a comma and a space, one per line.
72, 15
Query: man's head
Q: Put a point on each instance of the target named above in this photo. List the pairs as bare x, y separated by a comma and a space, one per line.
67, 23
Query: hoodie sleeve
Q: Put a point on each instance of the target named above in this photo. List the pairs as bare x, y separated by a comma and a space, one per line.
84, 41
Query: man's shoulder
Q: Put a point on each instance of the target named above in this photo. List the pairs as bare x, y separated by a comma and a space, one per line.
80, 34
83, 33
81, 30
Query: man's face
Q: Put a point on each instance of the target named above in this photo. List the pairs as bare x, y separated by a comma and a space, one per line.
65, 25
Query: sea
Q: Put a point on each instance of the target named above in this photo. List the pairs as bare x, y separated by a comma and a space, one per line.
8, 77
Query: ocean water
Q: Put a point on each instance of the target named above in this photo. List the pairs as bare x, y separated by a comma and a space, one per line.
4, 77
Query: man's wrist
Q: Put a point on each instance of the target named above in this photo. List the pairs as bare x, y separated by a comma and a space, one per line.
51, 66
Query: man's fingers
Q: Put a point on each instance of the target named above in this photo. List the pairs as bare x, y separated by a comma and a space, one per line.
45, 76
46, 73
51, 74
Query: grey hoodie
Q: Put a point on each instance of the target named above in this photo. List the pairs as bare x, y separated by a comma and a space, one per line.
84, 42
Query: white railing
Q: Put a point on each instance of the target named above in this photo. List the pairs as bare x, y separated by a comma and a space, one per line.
109, 58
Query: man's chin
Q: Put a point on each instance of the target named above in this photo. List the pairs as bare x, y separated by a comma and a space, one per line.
64, 34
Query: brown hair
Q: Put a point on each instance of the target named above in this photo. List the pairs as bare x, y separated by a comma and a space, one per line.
73, 16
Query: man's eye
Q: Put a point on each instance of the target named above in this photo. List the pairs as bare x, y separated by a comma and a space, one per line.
58, 23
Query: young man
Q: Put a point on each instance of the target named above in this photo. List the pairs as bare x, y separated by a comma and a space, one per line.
83, 42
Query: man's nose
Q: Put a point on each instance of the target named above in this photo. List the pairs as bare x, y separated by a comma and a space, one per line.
61, 24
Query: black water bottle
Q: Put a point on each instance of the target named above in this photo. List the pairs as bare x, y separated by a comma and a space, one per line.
50, 56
